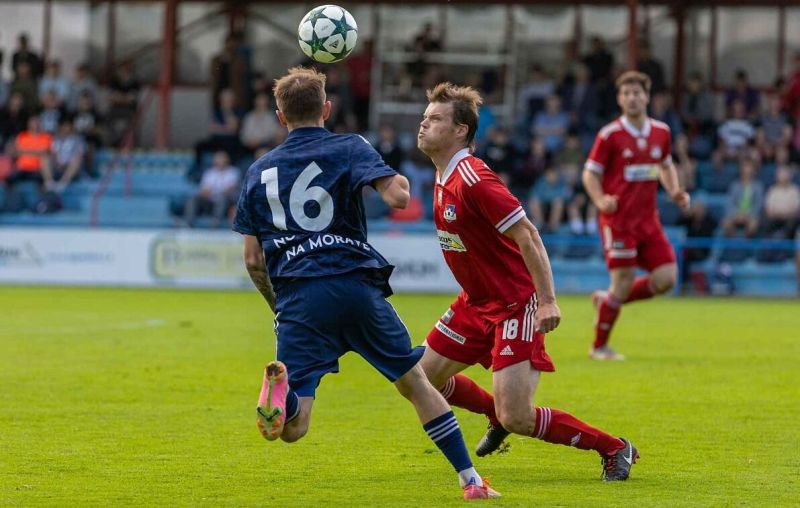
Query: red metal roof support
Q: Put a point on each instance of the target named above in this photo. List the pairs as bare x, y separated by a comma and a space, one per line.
680, 56
48, 28
781, 40
111, 38
167, 71
632, 33
712, 47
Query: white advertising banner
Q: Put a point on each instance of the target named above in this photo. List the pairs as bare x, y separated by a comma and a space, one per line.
181, 258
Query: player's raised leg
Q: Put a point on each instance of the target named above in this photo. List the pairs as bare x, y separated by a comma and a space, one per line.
277, 403
609, 305
514, 387
442, 427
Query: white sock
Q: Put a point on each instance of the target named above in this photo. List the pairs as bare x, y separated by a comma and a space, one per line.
469, 475
577, 226
591, 227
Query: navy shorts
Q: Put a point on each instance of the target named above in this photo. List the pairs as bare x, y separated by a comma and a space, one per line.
320, 319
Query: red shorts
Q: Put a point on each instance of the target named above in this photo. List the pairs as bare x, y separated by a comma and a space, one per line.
644, 246
464, 334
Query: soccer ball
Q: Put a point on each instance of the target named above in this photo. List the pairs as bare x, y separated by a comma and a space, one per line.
327, 34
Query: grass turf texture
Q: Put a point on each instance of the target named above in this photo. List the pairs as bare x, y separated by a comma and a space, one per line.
134, 397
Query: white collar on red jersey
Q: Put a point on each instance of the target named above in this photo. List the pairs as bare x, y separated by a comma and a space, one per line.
633, 131
461, 154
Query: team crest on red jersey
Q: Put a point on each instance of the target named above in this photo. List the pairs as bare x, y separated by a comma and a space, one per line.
655, 152
450, 213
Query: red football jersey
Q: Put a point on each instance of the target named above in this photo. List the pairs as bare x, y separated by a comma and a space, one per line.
629, 161
472, 210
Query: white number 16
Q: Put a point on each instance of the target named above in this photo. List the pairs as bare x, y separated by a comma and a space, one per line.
300, 194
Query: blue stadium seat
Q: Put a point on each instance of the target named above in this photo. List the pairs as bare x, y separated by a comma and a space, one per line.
766, 174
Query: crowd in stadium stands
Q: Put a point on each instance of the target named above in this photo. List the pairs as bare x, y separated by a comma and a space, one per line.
50, 125
741, 169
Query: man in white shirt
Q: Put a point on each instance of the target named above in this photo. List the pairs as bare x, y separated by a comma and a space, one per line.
218, 191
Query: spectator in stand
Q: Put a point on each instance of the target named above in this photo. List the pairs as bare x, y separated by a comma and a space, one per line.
218, 191
389, 148
742, 91
84, 83
123, 101
89, 124
534, 93
581, 212
25, 84
547, 201
427, 39
521, 181
599, 61
648, 64
260, 126
69, 149
5, 88
229, 72
552, 124
420, 172
13, 119
360, 71
341, 119
54, 82
224, 129
259, 84
31, 152
782, 206
580, 100
24, 55
698, 107
774, 130
735, 135
661, 110
501, 155
745, 200
51, 113
698, 224
791, 98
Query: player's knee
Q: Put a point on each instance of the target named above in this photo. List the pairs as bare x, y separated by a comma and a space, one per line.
516, 421
411, 382
665, 281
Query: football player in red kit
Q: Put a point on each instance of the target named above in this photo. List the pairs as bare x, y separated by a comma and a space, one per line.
629, 157
507, 302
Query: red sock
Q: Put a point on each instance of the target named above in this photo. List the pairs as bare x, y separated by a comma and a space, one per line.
642, 289
461, 391
556, 426
606, 316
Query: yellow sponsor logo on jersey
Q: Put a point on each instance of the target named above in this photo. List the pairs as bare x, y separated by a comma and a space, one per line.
641, 172
450, 241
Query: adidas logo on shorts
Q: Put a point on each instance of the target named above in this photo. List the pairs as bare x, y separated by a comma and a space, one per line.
506, 351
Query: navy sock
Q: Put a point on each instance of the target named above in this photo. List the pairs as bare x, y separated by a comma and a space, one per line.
445, 432
292, 406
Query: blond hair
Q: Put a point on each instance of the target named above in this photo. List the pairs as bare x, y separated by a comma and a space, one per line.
300, 95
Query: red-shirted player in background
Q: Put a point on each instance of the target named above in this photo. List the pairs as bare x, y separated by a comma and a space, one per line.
507, 302
629, 157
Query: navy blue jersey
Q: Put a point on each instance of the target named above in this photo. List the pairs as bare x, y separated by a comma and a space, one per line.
303, 202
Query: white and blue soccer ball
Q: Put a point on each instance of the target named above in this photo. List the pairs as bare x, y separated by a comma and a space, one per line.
327, 34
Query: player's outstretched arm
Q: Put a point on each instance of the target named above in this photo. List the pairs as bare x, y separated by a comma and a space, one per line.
394, 190
525, 234
671, 182
257, 268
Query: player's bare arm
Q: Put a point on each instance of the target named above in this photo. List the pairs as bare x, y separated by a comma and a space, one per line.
526, 236
671, 183
257, 268
594, 188
394, 190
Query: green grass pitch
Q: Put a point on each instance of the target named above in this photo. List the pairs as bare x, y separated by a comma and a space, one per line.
140, 398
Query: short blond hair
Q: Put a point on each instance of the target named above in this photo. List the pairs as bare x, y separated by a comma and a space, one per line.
300, 95
635, 78
465, 101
